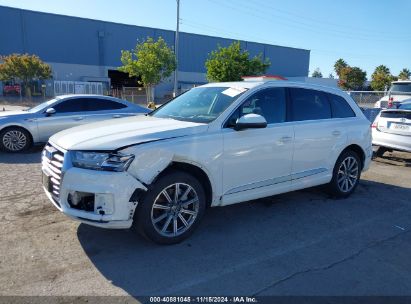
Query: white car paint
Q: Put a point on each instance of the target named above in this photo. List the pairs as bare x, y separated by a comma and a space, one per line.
393, 131
240, 165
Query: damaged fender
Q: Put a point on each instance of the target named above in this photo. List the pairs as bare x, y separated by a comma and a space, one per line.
148, 164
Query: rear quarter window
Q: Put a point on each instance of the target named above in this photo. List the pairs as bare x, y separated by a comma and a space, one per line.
100, 104
340, 107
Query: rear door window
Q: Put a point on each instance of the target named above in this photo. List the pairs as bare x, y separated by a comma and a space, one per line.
340, 107
309, 104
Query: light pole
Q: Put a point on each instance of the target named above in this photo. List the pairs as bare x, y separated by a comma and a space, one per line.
176, 50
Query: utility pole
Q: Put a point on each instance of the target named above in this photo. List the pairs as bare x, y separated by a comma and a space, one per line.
176, 50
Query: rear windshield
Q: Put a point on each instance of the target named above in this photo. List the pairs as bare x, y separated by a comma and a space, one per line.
401, 88
396, 114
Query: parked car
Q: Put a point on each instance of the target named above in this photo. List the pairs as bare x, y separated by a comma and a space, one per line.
21, 129
11, 89
215, 145
398, 92
405, 105
391, 130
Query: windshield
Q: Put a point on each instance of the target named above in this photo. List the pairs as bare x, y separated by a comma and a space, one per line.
405, 106
401, 88
42, 106
203, 104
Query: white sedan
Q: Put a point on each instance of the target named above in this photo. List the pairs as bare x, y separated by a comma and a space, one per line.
19, 130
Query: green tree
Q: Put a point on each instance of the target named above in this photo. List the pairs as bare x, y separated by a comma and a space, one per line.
405, 74
339, 65
151, 60
231, 63
331, 76
317, 73
24, 69
381, 78
352, 78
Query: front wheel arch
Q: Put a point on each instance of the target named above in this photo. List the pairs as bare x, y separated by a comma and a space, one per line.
196, 172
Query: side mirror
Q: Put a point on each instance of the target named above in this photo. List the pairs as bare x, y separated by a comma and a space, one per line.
250, 121
50, 111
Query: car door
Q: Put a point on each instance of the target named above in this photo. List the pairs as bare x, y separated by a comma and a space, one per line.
68, 113
99, 109
257, 162
318, 137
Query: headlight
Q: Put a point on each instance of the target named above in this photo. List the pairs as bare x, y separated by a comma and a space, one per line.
102, 161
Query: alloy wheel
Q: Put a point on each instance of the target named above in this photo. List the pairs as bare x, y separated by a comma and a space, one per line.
348, 174
14, 140
175, 210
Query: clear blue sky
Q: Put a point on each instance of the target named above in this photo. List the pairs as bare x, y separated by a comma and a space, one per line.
365, 33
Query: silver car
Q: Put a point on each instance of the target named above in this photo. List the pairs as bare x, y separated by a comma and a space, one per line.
21, 129
391, 129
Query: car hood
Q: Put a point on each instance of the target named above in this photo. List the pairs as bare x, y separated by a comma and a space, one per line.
4, 114
115, 134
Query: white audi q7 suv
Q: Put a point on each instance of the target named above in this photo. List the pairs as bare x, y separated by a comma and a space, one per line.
215, 145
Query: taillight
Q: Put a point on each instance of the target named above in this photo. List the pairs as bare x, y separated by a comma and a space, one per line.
390, 102
374, 125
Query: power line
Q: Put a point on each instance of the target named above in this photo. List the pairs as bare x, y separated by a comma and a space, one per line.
248, 10
220, 31
229, 34
325, 22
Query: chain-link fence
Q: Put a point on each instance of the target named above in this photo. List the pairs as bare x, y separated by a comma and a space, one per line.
366, 99
133, 94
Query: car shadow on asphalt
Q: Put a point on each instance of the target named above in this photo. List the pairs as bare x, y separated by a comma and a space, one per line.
31, 156
231, 238
394, 159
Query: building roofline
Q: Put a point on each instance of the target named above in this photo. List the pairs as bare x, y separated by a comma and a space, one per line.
146, 27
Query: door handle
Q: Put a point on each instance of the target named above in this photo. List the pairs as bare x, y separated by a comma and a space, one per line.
336, 133
285, 139
116, 116
78, 118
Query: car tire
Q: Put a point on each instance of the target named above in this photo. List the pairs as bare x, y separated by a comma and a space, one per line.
15, 140
346, 175
380, 151
165, 218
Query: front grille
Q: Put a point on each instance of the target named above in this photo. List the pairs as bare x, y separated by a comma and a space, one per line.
52, 161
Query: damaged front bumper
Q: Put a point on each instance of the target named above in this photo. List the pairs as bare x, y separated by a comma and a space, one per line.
97, 198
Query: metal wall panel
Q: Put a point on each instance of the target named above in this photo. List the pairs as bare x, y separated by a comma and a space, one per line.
72, 40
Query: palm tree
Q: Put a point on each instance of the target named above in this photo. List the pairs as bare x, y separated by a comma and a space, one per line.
339, 65
404, 74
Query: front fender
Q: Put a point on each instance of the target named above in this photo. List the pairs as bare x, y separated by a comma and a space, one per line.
30, 125
150, 163
203, 152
